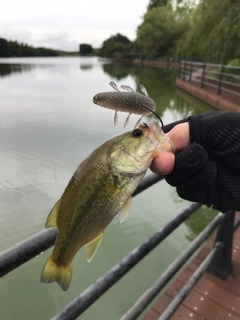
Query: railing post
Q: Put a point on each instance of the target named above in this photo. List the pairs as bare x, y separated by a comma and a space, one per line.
184, 70
221, 265
220, 80
191, 69
180, 71
203, 75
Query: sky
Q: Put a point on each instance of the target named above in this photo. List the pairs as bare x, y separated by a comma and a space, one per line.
65, 24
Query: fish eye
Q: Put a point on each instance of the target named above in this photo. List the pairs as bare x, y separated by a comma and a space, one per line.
137, 133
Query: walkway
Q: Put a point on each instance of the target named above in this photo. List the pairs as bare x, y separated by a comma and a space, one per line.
211, 298
216, 85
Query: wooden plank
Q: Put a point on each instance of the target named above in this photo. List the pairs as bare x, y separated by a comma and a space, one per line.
181, 313
236, 271
201, 304
213, 291
152, 315
230, 284
236, 251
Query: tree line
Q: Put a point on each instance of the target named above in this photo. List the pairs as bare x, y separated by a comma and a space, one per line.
10, 48
16, 49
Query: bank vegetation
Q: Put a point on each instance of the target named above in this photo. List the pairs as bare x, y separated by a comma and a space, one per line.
207, 31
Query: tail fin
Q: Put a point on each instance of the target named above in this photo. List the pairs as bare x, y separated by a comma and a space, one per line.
55, 273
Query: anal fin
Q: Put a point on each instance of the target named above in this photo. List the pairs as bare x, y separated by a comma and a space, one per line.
52, 217
91, 247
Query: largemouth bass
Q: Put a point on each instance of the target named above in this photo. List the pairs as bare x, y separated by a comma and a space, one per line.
101, 187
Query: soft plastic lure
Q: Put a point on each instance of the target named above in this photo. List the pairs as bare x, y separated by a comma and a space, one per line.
126, 101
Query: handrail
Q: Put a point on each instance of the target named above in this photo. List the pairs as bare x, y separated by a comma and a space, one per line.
25, 250
220, 265
199, 72
191, 70
214, 86
209, 64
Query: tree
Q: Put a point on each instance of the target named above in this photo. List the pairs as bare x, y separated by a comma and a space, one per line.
157, 3
4, 49
159, 31
214, 34
115, 45
85, 49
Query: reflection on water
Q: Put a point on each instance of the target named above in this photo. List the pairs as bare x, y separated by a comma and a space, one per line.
197, 222
48, 125
86, 66
188, 101
7, 69
118, 71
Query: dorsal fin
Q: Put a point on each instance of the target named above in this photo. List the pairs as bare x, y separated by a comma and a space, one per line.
91, 247
52, 217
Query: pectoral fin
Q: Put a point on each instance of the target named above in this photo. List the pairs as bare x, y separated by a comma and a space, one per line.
52, 217
122, 214
91, 247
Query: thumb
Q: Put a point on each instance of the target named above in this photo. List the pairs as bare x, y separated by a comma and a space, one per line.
179, 136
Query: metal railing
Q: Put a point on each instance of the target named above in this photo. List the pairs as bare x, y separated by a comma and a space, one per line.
219, 264
221, 79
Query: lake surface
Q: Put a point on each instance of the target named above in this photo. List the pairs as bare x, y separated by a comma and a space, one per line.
48, 125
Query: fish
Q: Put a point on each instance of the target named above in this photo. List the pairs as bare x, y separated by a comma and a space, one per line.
101, 188
126, 101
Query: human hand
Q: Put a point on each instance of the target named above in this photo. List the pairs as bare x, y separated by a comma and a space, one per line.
206, 168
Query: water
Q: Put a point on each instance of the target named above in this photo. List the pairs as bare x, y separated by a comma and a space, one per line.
45, 103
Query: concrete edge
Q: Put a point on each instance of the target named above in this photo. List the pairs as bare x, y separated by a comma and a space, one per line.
215, 101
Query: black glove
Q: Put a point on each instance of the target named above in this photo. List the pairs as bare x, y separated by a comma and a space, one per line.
208, 170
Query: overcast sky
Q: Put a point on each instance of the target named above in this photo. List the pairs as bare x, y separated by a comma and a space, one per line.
65, 24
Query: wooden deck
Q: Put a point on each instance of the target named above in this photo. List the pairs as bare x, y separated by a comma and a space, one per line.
211, 298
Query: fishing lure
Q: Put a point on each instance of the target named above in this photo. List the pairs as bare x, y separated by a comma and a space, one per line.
126, 101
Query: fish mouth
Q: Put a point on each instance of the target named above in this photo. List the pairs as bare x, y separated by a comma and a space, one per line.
159, 139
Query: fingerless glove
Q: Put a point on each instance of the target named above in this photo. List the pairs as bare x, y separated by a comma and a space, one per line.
208, 170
